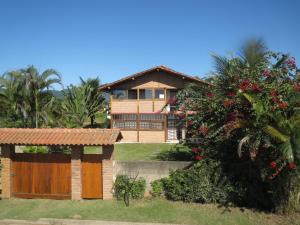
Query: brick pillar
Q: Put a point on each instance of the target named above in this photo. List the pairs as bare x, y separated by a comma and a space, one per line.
107, 171
76, 179
7, 152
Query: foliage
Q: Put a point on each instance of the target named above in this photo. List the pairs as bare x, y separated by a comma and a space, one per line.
204, 183
81, 103
94, 98
248, 120
157, 188
126, 187
26, 98
35, 149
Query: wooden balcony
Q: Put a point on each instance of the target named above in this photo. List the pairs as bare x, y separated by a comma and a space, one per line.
136, 106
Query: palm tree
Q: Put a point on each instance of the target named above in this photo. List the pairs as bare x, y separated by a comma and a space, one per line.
74, 106
12, 94
37, 91
81, 103
94, 98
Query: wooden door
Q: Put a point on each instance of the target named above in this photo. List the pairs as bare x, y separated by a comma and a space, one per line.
41, 176
92, 186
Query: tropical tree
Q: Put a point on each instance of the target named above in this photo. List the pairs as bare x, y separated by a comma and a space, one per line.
249, 120
38, 92
95, 99
81, 103
26, 96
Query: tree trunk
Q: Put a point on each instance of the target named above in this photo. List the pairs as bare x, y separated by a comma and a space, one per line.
36, 112
92, 121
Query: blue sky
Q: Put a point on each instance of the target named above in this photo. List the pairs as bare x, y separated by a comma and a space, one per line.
112, 39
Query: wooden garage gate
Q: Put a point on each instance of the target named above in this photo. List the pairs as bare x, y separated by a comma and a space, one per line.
49, 176
56, 175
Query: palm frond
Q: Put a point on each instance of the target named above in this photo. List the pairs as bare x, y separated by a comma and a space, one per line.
275, 133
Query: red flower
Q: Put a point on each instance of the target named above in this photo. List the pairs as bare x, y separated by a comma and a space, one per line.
291, 62
296, 87
203, 129
256, 87
283, 105
275, 99
273, 164
273, 92
231, 94
198, 157
266, 73
227, 103
245, 85
210, 94
195, 150
292, 166
190, 123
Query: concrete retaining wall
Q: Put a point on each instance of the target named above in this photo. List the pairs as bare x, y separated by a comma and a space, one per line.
149, 170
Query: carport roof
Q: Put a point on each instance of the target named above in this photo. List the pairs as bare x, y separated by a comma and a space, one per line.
58, 136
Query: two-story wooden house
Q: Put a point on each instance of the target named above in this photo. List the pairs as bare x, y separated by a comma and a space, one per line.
137, 105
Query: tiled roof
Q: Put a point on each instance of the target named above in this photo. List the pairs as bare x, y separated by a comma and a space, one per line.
161, 67
59, 136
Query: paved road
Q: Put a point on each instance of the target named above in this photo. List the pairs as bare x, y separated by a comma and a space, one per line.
71, 222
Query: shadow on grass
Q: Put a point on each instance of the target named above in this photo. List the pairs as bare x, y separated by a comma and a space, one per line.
178, 152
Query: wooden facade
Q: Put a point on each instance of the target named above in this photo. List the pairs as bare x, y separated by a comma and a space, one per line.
136, 99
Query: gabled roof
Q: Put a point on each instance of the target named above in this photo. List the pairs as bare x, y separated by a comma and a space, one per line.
156, 68
58, 136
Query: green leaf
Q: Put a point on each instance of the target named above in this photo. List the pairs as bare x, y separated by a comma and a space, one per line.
287, 151
273, 132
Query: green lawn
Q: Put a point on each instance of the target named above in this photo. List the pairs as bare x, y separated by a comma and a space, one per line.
148, 210
137, 151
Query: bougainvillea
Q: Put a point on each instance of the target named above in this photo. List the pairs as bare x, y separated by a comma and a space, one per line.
250, 114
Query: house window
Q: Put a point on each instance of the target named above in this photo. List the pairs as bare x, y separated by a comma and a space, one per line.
159, 94
119, 94
145, 125
139, 121
124, 124
146, 93
132, 94
124, 116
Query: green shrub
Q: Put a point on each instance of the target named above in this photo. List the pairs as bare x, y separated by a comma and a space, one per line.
136, 187
35, 149
157, 188
203, 183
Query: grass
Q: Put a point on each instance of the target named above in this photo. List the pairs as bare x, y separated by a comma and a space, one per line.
137, 151
147, 210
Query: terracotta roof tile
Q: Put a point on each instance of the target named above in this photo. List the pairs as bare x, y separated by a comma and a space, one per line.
58, 136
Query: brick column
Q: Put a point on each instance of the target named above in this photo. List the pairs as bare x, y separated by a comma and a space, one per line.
107, 171
7, 152
76, 177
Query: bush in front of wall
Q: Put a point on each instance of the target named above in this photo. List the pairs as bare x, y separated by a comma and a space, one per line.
204, 182
157, 188
135, 187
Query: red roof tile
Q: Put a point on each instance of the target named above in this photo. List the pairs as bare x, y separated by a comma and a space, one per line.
58, 136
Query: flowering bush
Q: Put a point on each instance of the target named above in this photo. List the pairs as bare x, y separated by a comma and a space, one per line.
249, 119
